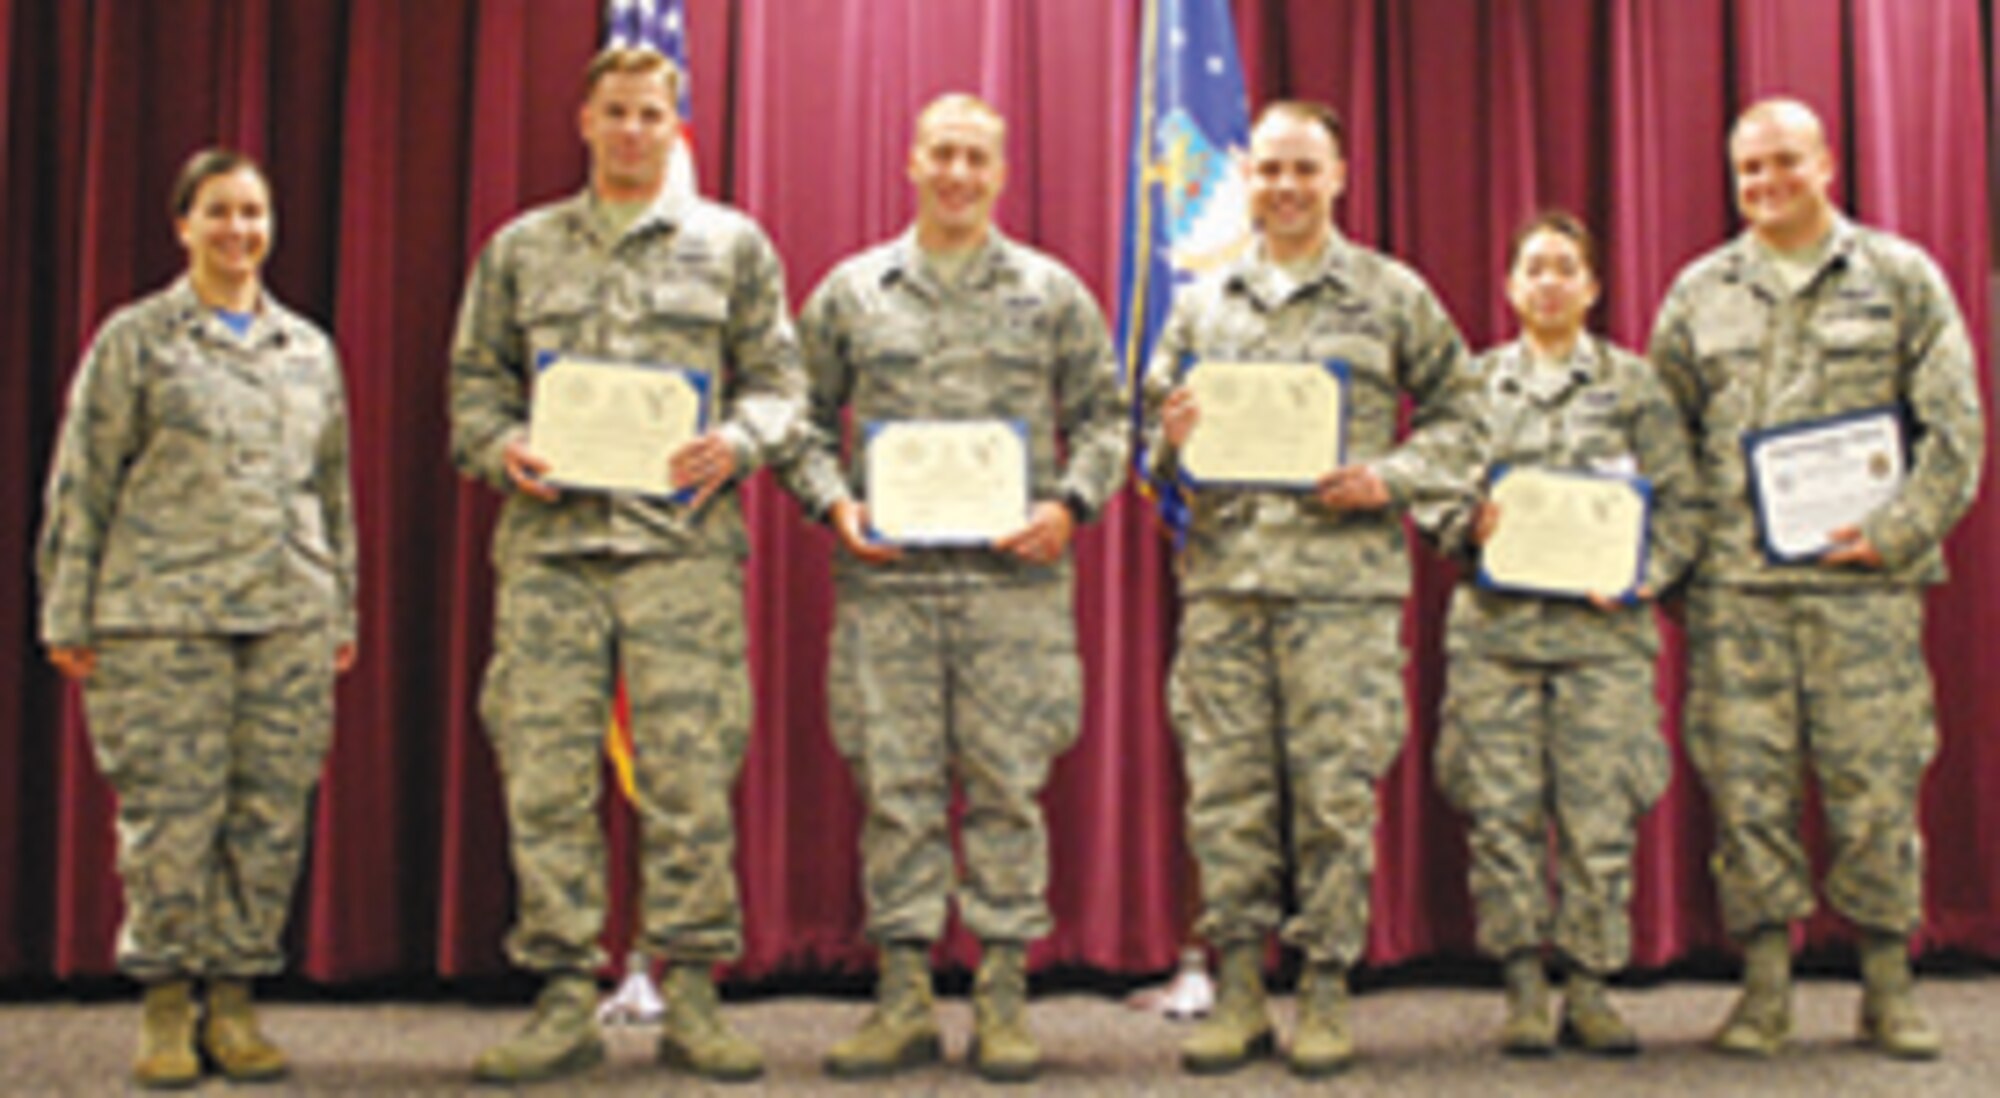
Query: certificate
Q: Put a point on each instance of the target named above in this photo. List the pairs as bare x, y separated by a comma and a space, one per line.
607, 426
1810, 479
1566, 533
945, 482
1266, 424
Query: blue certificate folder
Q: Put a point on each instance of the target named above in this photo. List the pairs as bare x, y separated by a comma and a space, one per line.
1867, 450
1626, 586
1343, 375
873, 429
700, 381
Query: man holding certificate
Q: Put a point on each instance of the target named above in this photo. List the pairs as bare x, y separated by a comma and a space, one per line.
1829, 384
1289, 673
963, 359
1550, 724
622, 360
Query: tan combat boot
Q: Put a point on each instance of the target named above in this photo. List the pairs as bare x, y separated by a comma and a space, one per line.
1529, 1029
1762, 1018
901, 1032
166, 1059
1003, 1051
231, 1038
1239, 1028
1321, 1043
560, 1038
1590, 1022
693, 1035
1891, 1020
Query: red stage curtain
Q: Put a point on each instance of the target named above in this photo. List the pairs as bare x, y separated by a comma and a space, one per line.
400, 135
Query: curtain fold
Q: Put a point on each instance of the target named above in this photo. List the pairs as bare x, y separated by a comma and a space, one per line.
399, 136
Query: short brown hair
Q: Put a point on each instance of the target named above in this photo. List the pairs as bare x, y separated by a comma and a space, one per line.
1308, 110
634, 61
204, 166
1561, 223
961, 103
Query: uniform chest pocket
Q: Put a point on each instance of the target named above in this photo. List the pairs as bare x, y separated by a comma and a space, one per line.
1860, 362
682, 324
888, 361
184, 394
552, 317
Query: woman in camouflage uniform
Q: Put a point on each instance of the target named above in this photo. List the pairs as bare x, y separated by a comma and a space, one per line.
197, 571
1550, 723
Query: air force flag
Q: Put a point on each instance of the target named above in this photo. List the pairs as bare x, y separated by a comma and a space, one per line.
1186, 213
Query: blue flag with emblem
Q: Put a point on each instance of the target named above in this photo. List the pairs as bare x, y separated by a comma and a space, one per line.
1186, 212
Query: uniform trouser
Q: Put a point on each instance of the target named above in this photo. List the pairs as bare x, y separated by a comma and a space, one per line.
1834, 678
212, 743
980, 684
1277, 695
674, 627
1573, 746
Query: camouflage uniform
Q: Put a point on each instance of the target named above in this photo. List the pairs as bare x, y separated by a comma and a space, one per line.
594, 580
1550, 716
1803, 661
1289, 674
958, 661
200, 538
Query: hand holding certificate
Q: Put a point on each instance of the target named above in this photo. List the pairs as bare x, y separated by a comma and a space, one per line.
1808, 480
1266, 424
1568, 534
945, 482
608, 426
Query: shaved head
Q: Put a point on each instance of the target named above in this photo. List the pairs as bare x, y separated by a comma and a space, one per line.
1778, 155
1781, 113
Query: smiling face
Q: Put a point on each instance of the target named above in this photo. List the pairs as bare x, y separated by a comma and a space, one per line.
629, 123
1295, 172
1782, 168
226, 229
958, 167
1551, 285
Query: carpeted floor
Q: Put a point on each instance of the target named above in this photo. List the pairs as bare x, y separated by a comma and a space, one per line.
1414, 1041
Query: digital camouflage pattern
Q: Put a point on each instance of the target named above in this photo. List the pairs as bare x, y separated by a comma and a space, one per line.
200, 482
1572, 748
1289, 672
983, 684
1274, 694
1782, 679
1877, 326
958, 663
212, 743
689, 283
1550, 723
1602, 411
1016, 337
199, 537
594, 582
1376, 315
1790, 662
674, 627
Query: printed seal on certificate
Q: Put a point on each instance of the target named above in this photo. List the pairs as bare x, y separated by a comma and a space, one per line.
1811, 478
612, 426
1273, 425
1566, 533
945, 482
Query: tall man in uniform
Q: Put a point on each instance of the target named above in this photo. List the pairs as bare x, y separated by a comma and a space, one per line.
956, 662
591, 584
1804, 317
1289, 672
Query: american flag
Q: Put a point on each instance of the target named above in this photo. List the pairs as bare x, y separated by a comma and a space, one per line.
661, 24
